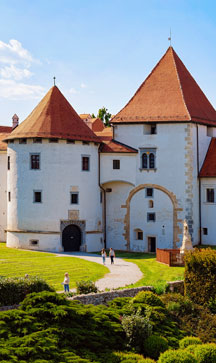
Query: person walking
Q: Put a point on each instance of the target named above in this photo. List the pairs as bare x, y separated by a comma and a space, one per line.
112, 255
103, 254
66, 282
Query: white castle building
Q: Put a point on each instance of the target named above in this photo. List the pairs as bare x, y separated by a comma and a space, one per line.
66, 187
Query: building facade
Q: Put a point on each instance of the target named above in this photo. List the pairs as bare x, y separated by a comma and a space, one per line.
66, 186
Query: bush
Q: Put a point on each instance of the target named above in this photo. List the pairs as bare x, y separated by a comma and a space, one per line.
122, 357
85, 287
177, 356
149, 298
14, 290
185, 342
200, 272
154, 345
137, 329
205, 353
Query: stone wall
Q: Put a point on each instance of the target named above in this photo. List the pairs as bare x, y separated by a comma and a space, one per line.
105, 297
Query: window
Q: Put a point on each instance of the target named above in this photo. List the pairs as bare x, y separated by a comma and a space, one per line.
151, 204
70, 141
9, 196
85, 163
8, 162
85, 142
22, 141
151, 217
53, 140
150, 129
74, 198
33, 242
153, 129
148, 157
11, 141
205, 231
101, 197
116, 164
37, 197
149, 192
140, 235
210, 195
35, 161
37, 140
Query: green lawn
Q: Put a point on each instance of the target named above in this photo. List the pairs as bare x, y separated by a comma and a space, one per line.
154, 273
16, 263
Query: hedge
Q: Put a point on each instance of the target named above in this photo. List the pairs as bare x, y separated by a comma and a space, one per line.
154, 345
200, 272
14, 290
185, 342
205, 353
177, 356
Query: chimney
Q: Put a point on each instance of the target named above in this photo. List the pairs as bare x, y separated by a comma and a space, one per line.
15, 119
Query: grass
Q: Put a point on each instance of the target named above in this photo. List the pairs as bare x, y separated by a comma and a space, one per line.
154, 273
16, 263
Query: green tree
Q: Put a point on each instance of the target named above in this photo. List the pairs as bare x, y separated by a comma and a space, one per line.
104, 115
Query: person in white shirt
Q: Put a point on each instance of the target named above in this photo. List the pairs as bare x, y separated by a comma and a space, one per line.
112, 255
66, 282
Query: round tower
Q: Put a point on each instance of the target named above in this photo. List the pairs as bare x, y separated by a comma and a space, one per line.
53, 192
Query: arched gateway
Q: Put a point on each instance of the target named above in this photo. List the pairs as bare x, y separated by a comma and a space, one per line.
71, 238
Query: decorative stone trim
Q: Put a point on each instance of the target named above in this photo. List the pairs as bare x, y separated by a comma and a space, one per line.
176, 229
81, 225
189, 177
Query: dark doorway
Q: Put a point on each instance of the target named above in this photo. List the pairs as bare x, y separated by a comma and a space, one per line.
152, 244
71, 238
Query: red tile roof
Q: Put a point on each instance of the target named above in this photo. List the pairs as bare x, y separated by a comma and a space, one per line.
97, 124
54, 117
112, 146
209, 166
4, 132
169, 93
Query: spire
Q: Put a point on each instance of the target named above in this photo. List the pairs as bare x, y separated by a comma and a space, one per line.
54, 117
169, 93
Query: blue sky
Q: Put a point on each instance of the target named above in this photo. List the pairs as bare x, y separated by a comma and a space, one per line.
99, 51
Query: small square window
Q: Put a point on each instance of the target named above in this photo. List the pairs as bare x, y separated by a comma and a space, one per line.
70, 141
9, 196
116, 164
22, 141
85, 163
8, 162
52, 141
85, 142
149, 192
35, 161
74, 198
151, 217
140, 235
205, 231
37, 197
210, 195
153, 129
33, 242
37, 140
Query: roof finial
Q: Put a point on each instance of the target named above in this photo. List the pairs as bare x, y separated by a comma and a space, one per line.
170, 38
54, 80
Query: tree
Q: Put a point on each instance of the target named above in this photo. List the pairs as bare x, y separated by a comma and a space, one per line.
104, 115
93, 115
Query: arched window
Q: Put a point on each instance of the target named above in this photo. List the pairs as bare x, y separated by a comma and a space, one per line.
144, 161
151, 161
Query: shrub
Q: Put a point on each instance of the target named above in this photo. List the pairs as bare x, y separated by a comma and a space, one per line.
177, 356
14, 290
205, 353
185, 342
137, 329
154, 345
122, 357
85, 287
200, 272
149, 298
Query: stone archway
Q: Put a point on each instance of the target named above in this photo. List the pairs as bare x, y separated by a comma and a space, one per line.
176, 229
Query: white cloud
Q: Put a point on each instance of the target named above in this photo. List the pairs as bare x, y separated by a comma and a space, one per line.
17, 90
15, 73
73, 91
83, 85
14, 53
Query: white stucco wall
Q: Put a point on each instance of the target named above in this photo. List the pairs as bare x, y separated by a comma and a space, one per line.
3, 195
208, 212
60, 173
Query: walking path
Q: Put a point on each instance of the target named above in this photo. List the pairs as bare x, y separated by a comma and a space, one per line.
122, 273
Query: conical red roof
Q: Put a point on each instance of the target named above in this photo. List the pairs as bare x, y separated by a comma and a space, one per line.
169, 93
54, 117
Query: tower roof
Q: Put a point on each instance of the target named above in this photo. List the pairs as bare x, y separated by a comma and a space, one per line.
169, 93
54, 117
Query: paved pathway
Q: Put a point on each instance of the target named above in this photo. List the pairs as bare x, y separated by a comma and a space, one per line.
122, 273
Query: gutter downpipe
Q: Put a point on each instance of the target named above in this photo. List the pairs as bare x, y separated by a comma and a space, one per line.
104, 194
199, 183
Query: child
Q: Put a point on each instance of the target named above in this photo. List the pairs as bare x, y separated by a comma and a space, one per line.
66, 282
112, 255
103, 254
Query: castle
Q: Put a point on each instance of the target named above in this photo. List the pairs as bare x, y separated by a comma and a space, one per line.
68, 186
